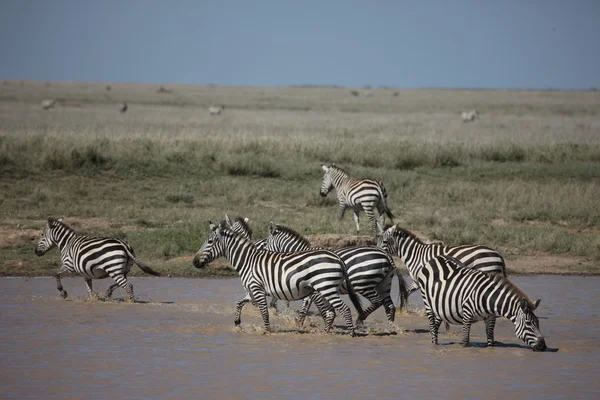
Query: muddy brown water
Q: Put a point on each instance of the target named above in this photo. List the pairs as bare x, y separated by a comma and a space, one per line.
180, 342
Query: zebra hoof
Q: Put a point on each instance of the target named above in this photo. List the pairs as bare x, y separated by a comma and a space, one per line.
359, 322
465, 344
237, 322
63, 294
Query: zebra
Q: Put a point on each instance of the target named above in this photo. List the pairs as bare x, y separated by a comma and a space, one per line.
216, 110
400, 242
241, 226
91, 257
469, 116
370, 270
48, 104
358, 194
459, 295
285, 276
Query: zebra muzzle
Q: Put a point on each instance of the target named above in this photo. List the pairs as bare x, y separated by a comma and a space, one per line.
39, 252
199, 262
540, 345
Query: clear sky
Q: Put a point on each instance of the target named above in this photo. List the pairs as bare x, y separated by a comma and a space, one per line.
406, 44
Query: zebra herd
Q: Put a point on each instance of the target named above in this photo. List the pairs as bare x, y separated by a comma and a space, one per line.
459, 284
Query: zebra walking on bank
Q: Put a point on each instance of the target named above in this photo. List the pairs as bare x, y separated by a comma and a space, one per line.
357, 194
370, 270
459, 295
284, 276
91, 257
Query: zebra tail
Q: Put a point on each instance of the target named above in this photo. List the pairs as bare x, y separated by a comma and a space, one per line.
142, 266
403, 291
352, 294
386, 209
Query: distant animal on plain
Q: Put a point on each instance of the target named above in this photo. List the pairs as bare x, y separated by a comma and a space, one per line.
48, 104
123, 107
469, 116
216, 110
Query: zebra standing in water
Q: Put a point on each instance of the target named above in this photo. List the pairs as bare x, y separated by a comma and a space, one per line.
92, 257
414, 253
370, 270
284, 276
459, 295
358, 194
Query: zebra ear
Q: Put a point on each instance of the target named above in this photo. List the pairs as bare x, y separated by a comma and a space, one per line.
325, 167
228, 220
535, 304
213, 227
246, 220
272, 227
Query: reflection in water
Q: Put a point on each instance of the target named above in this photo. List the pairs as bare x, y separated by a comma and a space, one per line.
181, 342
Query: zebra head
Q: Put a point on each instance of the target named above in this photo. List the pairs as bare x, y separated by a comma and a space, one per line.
389, 239
327, 185
48, 239
284, 239
527, 325
212, 248
240, 226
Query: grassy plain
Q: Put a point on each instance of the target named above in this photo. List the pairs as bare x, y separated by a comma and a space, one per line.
524, 178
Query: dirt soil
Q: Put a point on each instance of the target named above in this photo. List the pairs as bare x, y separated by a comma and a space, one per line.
12, 233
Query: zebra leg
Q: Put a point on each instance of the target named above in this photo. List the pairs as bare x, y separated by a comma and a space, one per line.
325, 310
125, 285
356, 221
63, 293
260, 299
336, 302
466, 332
304, 310
371, 215
110, 290
490, 324
92, 296
376, 302
238, 308
434, 325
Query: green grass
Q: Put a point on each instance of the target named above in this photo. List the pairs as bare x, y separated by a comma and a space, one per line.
525, 178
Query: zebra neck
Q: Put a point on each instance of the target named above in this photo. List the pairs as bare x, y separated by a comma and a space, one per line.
338, 180
413, 253
239, 252
63, 238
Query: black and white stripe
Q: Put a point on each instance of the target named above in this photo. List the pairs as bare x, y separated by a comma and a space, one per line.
358, 194
370, 270
283, 276
458, 295
402, 243
91, 257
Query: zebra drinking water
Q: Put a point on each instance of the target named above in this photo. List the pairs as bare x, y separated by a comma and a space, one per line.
370, 270
459, 295
415, 253
92, 257
284, 276
358, 194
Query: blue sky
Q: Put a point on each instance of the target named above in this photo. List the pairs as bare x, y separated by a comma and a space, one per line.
406, 44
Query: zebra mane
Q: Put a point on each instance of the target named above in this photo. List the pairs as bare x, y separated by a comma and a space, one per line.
409, 234
290, 232
513, 289
53, 223
339, 169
